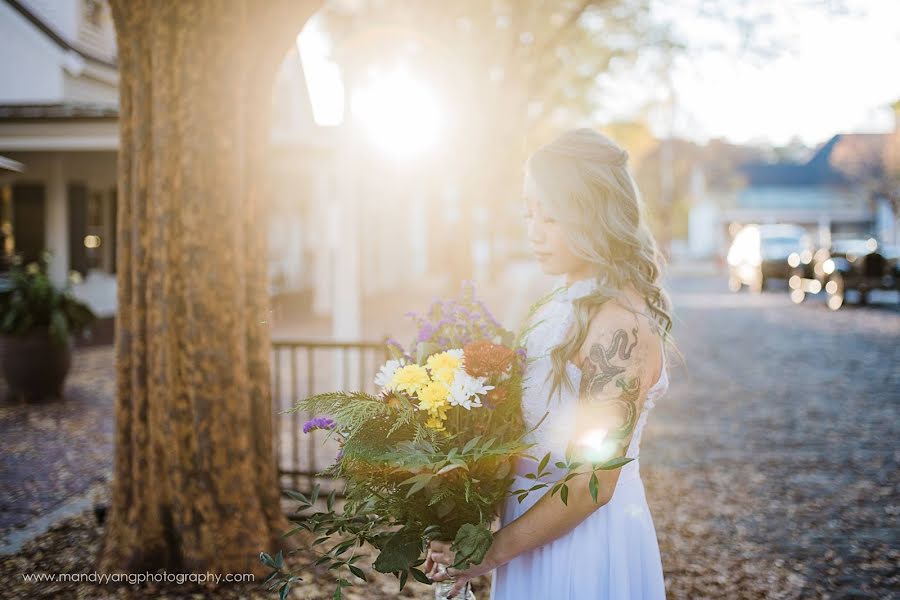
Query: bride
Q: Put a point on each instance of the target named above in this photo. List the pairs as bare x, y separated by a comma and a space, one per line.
597, 350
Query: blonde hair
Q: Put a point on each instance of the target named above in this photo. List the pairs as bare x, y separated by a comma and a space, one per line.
586, 186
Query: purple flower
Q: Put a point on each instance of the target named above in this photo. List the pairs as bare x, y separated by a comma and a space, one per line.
523, 357
318, 423
425, 332
488, 314
391, 342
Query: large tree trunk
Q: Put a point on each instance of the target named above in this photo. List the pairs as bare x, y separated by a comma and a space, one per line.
195, 485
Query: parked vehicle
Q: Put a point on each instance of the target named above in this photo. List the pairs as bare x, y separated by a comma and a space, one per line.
848, 265
759, 253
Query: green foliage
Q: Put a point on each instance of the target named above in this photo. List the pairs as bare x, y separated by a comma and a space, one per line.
526, 327
30, 301
572, 469
405, 483
400, 552
470, 545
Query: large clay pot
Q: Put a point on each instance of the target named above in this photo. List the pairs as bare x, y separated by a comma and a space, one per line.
35, 367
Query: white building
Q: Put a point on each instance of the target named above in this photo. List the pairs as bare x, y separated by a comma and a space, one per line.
831, 194
334, 233
59, 142
58, 107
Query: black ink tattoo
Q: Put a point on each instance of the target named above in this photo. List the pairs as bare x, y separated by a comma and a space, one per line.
627, 400
597, 370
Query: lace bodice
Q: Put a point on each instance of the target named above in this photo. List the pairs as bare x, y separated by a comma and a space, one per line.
552, 322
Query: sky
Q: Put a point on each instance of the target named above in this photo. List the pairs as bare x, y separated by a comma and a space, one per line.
815, 68
834, 72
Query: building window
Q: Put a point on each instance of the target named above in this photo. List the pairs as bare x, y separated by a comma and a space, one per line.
95, 231
93, 12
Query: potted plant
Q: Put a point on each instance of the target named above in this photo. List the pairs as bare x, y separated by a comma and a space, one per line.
37, 324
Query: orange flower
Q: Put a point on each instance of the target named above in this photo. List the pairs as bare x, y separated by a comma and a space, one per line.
392, 401
484, 359
496, 396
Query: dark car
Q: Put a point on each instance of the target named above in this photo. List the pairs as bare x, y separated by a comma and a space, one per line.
857, 265
759, 253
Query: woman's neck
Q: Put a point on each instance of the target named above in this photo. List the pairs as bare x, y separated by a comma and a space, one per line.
579, 276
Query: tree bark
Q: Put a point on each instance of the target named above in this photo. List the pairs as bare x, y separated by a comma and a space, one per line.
195, 484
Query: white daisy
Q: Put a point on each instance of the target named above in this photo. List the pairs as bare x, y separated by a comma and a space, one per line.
386, 373
465, 390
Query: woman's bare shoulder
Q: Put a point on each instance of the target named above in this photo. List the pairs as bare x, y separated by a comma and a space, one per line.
621, 332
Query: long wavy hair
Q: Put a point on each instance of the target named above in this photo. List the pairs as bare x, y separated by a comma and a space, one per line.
587, 187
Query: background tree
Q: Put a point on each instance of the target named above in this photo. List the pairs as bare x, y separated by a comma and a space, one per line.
891, 161
195, 481
515, 74
511, 75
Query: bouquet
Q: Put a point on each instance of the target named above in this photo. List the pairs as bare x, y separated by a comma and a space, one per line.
431, 456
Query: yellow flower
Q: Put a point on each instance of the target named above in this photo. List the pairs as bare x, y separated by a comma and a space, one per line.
409, 379
434, 423
433, 397
32, 268
443, 365
439, 412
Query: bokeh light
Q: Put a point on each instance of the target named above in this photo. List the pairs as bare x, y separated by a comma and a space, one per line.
400, 113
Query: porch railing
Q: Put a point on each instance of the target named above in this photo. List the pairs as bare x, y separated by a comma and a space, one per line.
301, 368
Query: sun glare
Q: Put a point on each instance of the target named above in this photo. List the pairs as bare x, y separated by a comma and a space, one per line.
597, 446
401, 114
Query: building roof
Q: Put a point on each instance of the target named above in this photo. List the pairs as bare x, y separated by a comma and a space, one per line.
844, 159
66, 110
55, 37
8, 164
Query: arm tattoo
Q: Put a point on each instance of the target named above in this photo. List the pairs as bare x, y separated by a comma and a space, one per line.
598, 370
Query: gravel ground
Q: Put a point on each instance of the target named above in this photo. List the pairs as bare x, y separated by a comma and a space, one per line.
771, 466
54, 450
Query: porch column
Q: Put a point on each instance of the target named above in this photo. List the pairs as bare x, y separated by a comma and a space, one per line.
321, 231
346, 319
824, 230
345, 230
57, 225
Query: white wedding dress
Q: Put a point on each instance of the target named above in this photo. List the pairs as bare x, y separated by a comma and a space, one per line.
613, 554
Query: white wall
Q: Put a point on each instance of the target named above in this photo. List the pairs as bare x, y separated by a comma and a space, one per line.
61, 15
885, 221
84, 89
704, 235
703, 230
30, 71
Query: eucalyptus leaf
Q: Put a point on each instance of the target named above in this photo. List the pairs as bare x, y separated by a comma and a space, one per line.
543, 464
613, 464
471, 544
399, 553
420, 576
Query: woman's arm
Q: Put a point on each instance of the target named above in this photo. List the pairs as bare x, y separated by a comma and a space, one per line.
613, 364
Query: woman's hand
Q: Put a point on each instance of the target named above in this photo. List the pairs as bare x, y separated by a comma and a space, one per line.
439, 553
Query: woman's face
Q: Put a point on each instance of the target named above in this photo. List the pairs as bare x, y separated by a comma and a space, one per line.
547, 238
